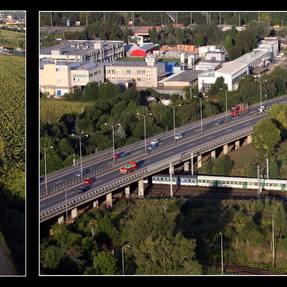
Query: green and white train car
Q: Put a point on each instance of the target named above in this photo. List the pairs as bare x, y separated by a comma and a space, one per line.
221, 181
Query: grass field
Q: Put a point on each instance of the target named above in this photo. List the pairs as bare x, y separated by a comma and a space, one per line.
132, 59
51, 110
12, 39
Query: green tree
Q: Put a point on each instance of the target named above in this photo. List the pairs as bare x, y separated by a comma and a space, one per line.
105, 263
222, 165
167, 255
266, 136
51, 257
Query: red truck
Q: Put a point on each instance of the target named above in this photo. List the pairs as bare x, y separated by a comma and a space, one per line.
239, 109
129, 167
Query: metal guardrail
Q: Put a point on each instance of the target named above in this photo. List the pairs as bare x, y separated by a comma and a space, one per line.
100, 191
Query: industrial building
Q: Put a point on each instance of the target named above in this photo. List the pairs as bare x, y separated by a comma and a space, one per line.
143, 74
144, 50
59, 78
234, 71
85, 51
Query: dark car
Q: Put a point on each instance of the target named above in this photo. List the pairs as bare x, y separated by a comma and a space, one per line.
121, 154
84, 188
152, 146
85, 172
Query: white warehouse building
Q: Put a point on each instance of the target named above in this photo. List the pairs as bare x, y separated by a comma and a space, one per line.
234, 71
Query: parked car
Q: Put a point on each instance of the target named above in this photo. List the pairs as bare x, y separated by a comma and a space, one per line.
84, 188
178, 136
129, 167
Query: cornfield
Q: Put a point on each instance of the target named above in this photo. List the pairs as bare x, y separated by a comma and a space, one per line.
12, 109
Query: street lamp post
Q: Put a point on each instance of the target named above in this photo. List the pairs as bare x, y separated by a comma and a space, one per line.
225, 104
144, 117
45, 160
79, 137
260, 85
221, 248
200, 96
113, 131
173, 107
123, 258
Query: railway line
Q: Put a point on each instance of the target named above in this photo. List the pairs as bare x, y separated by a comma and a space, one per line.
162, 190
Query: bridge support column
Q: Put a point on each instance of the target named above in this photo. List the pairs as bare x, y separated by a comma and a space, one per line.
95, 204
74, 213
213, 154
237, 145
127, 192
199, 161
186, 166
61, 219
225, 149
249, 139
141, 188
109, 200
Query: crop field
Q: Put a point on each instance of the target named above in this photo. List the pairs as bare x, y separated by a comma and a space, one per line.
12, 39
12, 108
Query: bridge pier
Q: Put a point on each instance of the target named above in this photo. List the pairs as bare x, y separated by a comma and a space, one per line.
199, 161
249, 139
61, 219
141, 188
186, 166
74, 213
225, 149
213, 154
109, 200
237, 145
95, 204
127, 192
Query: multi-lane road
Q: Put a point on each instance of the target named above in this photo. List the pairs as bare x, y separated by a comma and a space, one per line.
213, 128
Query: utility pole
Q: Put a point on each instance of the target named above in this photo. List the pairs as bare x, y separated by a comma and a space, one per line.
221, 240
170, 177
191, 162
66, 205
190, 18
258, 178
267, 167
273, 243
51, 19
239, 22
87, 23
225, 104
219, 18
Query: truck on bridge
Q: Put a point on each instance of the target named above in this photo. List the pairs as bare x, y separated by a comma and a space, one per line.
239, 109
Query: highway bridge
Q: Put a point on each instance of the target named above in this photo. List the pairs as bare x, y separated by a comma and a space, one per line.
62, 197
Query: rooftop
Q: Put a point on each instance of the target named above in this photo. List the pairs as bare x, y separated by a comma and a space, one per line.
75, 47
184, 76
248, 58
72, 65
232, 67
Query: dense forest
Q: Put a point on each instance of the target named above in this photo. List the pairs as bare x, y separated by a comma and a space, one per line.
12, 156
167, 236
107, 101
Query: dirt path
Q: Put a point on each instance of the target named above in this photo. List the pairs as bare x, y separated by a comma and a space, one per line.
6, 263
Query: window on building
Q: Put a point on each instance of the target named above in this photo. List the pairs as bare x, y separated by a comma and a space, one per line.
128, 72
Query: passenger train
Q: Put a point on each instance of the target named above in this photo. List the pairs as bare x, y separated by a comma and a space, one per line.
220, 181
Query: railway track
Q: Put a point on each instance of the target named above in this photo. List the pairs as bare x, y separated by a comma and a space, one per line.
249, 270
159, 191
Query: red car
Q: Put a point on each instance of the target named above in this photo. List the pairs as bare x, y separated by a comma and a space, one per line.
129, 167
88, 181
